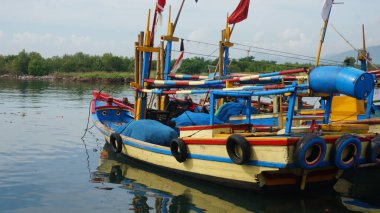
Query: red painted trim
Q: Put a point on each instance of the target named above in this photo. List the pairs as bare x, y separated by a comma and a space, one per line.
290, 78
93, 106
104, 97
231, 80
374, 71
274, 87
170, 92
182, 83
204, 127
111, 107
292, 71
149, 80
260, 141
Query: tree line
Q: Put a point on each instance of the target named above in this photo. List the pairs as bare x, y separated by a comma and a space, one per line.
33, 63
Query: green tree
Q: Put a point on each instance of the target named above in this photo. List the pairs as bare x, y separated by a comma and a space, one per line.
37, 65
22, 62
112, 63
349, 61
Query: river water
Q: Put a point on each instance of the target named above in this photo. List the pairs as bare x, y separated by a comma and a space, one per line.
45, 166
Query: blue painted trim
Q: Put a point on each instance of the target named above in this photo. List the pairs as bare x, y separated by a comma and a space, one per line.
289, 117
363, 65
326, 118
212, 108
268, 74
145, 68
369, 104
361, 204
167, 59
226, 61
248, 110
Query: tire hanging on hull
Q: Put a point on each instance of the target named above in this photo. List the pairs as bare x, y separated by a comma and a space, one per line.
238, 149
346, 151
310, 152
178, 149
116, 142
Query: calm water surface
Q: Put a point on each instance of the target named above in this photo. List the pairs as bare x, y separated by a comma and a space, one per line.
46, 167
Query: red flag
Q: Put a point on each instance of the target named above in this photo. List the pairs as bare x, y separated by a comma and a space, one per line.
160, 5
240, 13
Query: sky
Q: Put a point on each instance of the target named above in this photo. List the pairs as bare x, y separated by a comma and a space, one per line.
58, 27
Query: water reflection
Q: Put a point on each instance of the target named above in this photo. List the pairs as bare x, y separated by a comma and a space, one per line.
161, 191
359, 189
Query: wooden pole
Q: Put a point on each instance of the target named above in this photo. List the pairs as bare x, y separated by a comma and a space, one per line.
137, 59
141, 43
221, 51
159, 74
137, 68
321, 43
177, 17
162, 60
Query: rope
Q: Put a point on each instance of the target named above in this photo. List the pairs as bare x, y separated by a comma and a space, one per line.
353, 47
89, 113
209, 56
267, 49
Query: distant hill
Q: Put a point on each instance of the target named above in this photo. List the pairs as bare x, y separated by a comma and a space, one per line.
374, 53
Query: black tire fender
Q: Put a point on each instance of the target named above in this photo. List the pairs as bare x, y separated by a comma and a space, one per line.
235, 142
116, 142
178, 149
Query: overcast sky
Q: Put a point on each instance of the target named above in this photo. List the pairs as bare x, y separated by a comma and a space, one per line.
57, 27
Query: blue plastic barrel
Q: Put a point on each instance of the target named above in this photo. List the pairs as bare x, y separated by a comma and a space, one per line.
345, 80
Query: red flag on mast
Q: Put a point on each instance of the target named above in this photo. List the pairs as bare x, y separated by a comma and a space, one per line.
240, 13
160, 5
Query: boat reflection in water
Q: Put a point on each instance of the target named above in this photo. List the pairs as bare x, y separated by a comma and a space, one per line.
162, 191
359, 189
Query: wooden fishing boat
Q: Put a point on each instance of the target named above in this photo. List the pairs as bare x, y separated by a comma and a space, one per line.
246, 155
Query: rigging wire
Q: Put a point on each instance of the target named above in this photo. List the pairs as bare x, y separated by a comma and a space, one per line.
288, 53
352, 46
266, 49
279, 55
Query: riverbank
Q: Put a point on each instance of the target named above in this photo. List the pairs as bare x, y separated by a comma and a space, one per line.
97, 76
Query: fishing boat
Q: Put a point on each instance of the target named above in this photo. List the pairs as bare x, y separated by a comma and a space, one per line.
246, 155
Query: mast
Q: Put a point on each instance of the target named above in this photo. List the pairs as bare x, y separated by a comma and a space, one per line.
362, 54
326, 16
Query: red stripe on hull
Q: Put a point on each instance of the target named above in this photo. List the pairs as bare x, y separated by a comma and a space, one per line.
251, 141
204, 127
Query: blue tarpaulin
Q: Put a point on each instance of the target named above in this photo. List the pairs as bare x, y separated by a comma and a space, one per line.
150, 131
191, 119
231, 108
